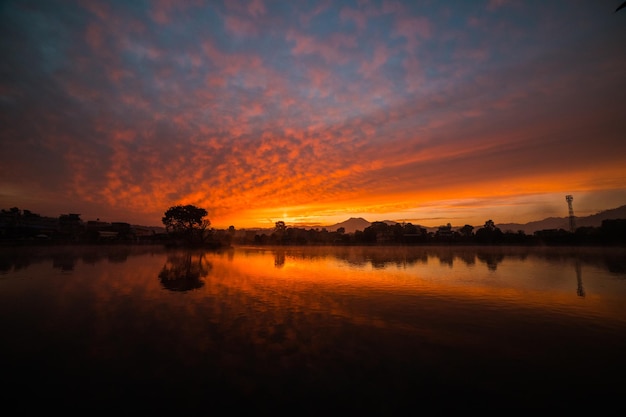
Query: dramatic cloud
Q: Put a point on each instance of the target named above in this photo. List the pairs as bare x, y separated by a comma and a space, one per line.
312, 112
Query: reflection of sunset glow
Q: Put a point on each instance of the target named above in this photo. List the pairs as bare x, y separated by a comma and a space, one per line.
423, 275
273, 330
312, 114
322, 277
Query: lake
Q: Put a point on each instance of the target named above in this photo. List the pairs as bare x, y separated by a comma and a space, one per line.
312, 330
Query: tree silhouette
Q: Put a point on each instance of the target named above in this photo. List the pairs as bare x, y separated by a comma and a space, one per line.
279, 231
489, 233
466, 231
187, 221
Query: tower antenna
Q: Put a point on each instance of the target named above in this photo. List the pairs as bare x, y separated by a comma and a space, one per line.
572, 221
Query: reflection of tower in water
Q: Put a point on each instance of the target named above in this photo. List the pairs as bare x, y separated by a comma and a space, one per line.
572, 221
580, 290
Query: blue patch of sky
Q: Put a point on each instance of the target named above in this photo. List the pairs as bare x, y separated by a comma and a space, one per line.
41, 30
325, 23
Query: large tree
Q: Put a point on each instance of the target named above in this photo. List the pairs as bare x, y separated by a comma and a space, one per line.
489, 233
187, 220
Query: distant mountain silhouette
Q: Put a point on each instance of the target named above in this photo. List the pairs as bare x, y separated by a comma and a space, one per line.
351, 225
594, 220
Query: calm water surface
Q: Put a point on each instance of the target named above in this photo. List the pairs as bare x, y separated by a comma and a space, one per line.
312, 330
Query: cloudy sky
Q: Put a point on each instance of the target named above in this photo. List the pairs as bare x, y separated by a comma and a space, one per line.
311, 112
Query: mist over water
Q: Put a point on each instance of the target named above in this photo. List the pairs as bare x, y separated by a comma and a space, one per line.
312, 329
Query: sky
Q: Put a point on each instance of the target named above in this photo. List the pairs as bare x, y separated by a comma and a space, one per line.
312, 112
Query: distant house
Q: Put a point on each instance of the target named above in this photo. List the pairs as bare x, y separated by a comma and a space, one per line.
107, 235
142, 231
97, 225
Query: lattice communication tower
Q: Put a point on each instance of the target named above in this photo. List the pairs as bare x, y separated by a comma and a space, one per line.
572, 220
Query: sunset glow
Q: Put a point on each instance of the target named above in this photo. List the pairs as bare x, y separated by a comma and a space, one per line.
312, 112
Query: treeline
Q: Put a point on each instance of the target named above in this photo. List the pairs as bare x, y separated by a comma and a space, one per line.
611, 232
187, 224
184, 226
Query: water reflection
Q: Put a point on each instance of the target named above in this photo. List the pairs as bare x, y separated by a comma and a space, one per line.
183, 271
580, 290
311, 330
610, 259
65, 258
64, 261
279, 258
490, 259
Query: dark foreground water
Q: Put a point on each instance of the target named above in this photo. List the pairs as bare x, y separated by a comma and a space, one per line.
312, 331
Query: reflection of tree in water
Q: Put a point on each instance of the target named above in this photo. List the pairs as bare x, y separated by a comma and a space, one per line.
10, 261
491, 259
92, 257
608, 259
615, 264
467, 258
5, 264
279, 258
64, 261
381, 257
446, 259
183, 271
118, 256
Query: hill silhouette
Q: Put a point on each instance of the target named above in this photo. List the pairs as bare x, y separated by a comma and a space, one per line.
351, 225
594, 220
